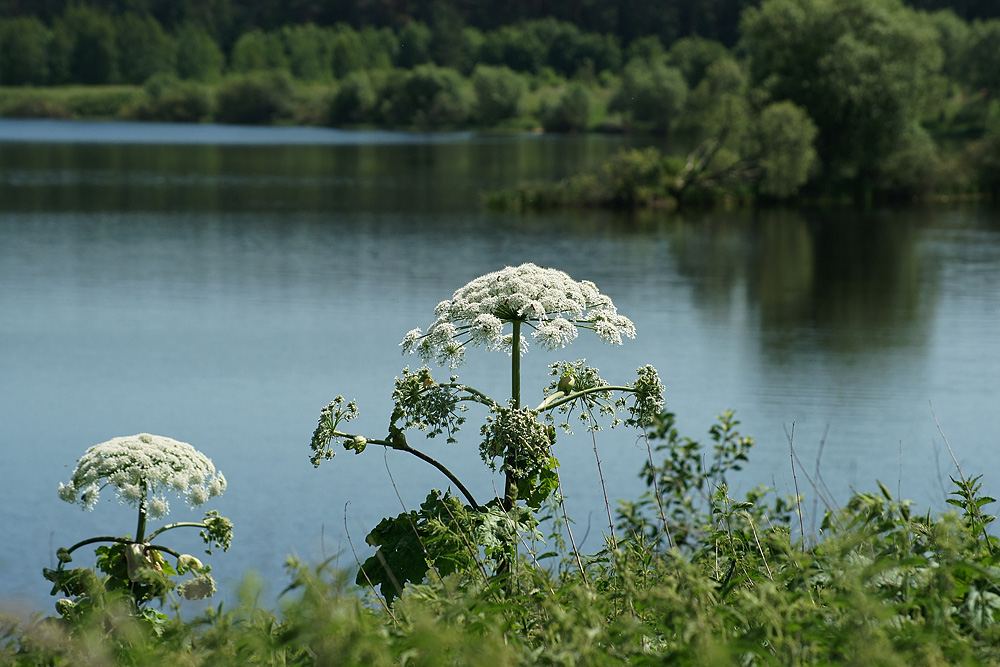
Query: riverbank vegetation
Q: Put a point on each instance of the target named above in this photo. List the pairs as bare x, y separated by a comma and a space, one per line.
693, 577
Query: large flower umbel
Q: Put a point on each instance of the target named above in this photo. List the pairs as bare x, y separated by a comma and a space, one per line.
142, 468
547, 300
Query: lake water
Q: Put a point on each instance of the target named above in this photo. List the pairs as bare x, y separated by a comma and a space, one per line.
220, 285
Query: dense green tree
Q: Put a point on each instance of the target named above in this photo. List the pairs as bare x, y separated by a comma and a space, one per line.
781, 148
414, 45
93, 48
197, 56
144, 48
514, 47
985, 157
983, 58
646, 48
379, 46
453, 43
426, 96
257, 50
571, 113
498, 93
953, 37
308, 49
651, 95
693, 56
354, 102
24, 52
718, 107
860, 68
256, 98
346, 51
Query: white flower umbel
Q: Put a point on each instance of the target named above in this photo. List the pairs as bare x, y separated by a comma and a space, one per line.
138, 466
547, 300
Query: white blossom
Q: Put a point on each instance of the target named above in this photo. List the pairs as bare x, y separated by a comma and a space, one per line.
546, 300
141, 466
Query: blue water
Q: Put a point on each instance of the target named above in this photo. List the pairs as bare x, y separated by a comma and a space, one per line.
222, 291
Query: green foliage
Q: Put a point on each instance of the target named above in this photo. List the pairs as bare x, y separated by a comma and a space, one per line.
90, 39
354, 102
985, 158
256, 98
427, 96
257, 50
444, 537
24, 52
498, 93
783, 141
860, 69
651, 95
168, 99
879, 584
197, 56
570, 113
515, 48
414, 45
144, 48
308, 50
982, 71
693, 56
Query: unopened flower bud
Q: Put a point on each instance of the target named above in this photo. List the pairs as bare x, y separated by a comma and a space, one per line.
187, 562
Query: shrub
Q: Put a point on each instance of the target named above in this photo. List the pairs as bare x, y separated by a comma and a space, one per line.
427, 96
354, 102
498, 93
258, 98
571, 113
171, 100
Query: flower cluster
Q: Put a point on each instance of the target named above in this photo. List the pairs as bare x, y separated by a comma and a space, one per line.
140, 465
547, 300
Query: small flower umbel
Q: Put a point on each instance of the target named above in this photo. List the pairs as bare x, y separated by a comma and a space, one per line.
547, 300
143, 469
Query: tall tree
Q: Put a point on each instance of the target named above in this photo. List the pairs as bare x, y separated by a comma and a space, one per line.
860, 68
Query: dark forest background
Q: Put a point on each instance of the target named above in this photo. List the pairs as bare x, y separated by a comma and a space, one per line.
669, 20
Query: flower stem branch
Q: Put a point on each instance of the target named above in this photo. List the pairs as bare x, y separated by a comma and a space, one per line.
398, 442
560, 398
179, 524
119, 540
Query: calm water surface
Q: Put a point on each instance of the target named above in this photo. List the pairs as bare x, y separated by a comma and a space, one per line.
220, 285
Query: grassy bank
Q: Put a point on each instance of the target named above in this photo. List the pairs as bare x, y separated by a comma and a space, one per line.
689, 576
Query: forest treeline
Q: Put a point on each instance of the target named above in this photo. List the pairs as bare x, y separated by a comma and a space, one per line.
669, 20
840, 96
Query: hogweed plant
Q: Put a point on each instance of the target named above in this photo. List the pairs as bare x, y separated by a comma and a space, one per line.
494, 311
143, 470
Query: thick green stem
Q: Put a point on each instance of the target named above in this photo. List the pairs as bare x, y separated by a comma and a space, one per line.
510, 491
179, 524
140, 530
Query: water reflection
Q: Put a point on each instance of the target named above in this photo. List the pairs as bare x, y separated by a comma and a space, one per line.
859, 282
